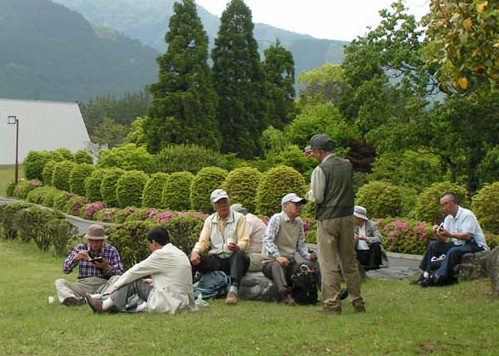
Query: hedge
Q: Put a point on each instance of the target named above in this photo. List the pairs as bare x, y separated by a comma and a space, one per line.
276, 183
61, 173
177, 191
93, 185
34, 163
241, 185
130, 187
153, 191
24, 187
207, 180
190, 158
428, 206
48, 171
83, 156
77, 178
9, 230
485, 205
381, 199
108, 186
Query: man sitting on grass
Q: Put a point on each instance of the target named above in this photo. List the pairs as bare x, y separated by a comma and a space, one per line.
170, 289
97, 263
466, 236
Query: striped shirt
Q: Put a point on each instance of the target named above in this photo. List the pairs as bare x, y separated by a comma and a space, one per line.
88, 269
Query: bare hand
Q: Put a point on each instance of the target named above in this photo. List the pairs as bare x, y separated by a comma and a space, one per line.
233, 247
308, 153
195, 258
283, 261
103, 265
360, 237
149, 281
313, 257
82, 255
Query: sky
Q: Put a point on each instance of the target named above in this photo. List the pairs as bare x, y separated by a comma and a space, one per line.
325, 19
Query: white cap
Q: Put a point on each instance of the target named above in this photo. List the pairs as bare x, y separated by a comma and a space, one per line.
292, 198
360, 212
218, 194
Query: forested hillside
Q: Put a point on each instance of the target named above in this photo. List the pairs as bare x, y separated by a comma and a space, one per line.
49, 52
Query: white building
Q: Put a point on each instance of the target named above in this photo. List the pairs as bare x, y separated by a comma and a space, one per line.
43, 126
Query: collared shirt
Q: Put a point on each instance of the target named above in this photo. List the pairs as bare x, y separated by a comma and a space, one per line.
361, 244
88, 269
318, 183
271, 233
465, 221
204, 243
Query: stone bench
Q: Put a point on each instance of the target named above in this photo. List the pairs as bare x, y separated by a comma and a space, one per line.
483, 264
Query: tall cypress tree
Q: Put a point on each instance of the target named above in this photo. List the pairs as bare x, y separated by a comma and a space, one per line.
239, 82
183, 109
279, 69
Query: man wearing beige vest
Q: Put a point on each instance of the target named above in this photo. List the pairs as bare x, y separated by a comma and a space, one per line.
285, 236
222, 244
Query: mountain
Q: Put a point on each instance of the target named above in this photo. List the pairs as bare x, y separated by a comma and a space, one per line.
49, 52
147, 21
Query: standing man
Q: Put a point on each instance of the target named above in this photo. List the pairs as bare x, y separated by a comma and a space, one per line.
461, 226
225, 239
332, 191
97, 263
169, 291
285, 236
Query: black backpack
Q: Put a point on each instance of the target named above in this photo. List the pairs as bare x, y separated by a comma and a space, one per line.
304, 285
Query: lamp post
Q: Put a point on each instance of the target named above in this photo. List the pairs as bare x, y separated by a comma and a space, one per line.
14, 120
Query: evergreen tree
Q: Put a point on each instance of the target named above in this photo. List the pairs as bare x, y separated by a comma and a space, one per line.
279, 69
239, 82
183, 109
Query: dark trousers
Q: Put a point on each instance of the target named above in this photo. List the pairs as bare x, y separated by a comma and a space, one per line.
234, 266
281, 276
370, 259
137, 287
447, 256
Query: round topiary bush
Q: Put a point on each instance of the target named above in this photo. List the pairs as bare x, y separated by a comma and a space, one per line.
190, 158
83, 156
77, 178
25, 186
207, 180
108, 186
130, 187
485, 205
10, 188
177, 191
241, 185
152, 195
276, 183
60, 174
64, 152
61, 199
381, 199
428, 206
47, 173
33, 164
38, 195
93, 185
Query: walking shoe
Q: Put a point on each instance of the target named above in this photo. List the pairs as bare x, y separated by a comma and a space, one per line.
289, 300
330, 310
358, 306
417, 281
231, 298
343, 294
69, 301
95, 304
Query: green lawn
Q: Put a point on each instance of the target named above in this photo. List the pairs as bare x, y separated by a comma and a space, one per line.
7, 173
401, 319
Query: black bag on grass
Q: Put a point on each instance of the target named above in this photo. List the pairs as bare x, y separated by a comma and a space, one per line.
304, 285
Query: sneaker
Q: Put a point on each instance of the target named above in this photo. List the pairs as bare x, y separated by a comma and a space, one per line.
330, 310
95, 304
231, 298
343, 294
70, 301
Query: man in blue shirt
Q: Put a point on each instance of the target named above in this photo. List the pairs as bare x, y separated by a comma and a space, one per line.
466, 236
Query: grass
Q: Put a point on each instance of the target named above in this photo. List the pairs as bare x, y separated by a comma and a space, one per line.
401, 319
7, 173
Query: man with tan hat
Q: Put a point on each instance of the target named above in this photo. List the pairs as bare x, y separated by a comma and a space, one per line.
370, 253
222, 244
97, 262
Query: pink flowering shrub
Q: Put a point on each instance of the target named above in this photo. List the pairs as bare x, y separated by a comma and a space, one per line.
122, 214
89, 210
105, 215
404, 235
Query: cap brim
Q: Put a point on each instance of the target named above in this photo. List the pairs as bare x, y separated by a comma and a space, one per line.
219, 198
88, 237
299, 201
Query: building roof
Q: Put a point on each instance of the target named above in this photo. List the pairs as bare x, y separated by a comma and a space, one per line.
43, 125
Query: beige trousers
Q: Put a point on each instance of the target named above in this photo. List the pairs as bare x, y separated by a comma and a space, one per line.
83, 286
336, 244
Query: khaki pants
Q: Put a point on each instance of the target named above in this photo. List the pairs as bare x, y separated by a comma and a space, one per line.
336, 243
83, 286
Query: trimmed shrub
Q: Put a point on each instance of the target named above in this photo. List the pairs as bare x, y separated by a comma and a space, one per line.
56, 156
10, 188
105, 215
83, 156
61, 231
141, 214
485, 205
48, 172
33, 164
130, 187
207, 180
32, 223
492, 241
128, 157
90, 209
77, 178
190, 158
276, 183
38, 195
241, 185
381, 199
130, 240
60, 174
65, 153
7, 223
184, 231
152, 195
24, 187
428, 206
93, 185
405, 236
176, 194
108, 186
75, 205
48, 198
61, 199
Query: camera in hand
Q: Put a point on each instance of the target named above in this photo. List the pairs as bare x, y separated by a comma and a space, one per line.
94, 258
